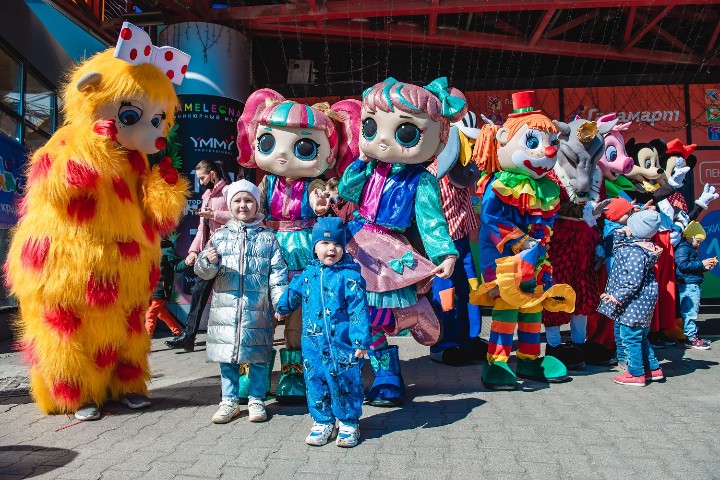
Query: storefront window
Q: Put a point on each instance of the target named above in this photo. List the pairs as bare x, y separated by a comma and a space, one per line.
10, 125
10, 82
39, 105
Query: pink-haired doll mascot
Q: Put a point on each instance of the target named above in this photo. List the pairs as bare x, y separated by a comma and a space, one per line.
403, 127
295, 144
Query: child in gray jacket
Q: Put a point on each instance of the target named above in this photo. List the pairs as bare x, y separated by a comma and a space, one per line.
251, 276
631, 295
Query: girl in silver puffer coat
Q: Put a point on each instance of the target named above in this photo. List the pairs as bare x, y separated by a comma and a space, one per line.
250, 276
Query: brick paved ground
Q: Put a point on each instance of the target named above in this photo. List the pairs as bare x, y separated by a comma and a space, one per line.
450, 427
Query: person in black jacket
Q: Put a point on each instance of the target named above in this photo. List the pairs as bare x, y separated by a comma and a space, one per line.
689, 270
170, 264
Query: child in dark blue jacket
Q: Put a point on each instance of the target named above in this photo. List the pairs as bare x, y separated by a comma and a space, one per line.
335, 334
631, 295
689, 270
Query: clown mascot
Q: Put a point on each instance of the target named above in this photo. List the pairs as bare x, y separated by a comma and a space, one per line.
519, 206
295, 144
403, 127
461, 321
85, 255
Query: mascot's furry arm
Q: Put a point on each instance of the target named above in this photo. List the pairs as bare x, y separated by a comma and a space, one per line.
163, 196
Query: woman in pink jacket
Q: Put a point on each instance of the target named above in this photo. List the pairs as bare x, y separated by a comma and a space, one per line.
213, 214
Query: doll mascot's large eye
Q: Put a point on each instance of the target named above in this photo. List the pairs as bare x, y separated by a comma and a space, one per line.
157, 120
532, 140
611, 153
306, 149
266, 143
129, 114
407, 135
369, 128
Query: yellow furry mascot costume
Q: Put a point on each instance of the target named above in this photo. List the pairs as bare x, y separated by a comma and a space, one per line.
85, 254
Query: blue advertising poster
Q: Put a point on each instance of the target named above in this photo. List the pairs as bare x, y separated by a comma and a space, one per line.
13, 158
711, 248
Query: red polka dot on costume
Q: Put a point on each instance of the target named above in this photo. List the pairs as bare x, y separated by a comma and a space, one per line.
168, 56
147, 51
66, 391
34, 251
137, 162
82, 208
40, 167
62, 320
127, 372
126, 34
81, 175
121, 189
170, 74
183, 70
105, 357
129, 249
101, 292
149, 233
135, 321
133, 54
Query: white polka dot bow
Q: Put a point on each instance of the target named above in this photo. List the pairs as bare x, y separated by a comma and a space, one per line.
135, 47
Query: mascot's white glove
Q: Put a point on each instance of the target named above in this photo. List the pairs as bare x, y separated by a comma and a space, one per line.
675, 237
678, 177
593, 210
707, 196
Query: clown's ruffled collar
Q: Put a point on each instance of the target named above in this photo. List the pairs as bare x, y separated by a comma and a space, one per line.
532, 196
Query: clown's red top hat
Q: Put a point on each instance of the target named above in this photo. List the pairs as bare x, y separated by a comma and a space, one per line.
676, 147
523, 104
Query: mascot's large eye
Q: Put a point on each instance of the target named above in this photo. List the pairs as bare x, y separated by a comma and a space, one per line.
369, 128
266, 143
157, 120
306, 149
532, 140
611, 153
648, 163
129, 114
407, 135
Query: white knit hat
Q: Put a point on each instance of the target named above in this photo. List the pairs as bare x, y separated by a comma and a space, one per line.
241, 186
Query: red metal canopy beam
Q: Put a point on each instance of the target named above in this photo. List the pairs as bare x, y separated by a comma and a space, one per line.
506, 27
407, 34
665, 35
638, 36
432, 19
347, 9
713, 39
629, 25
575, 22
540, 28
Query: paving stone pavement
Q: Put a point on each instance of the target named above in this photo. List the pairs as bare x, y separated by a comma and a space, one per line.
450, 427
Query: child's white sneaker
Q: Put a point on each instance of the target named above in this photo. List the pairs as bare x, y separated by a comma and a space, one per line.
227, 411
256, 411
319, 435
348, 435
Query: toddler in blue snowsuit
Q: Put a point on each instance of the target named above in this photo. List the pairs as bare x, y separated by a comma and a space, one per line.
335, 334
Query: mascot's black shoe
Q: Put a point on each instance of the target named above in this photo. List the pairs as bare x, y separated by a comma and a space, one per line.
453, 356
183, 341
571, 356
596, 354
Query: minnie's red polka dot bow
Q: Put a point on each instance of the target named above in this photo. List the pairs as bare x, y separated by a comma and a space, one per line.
135, 47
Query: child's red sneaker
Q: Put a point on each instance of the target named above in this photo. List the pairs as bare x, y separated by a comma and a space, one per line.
627, 379
654, 375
